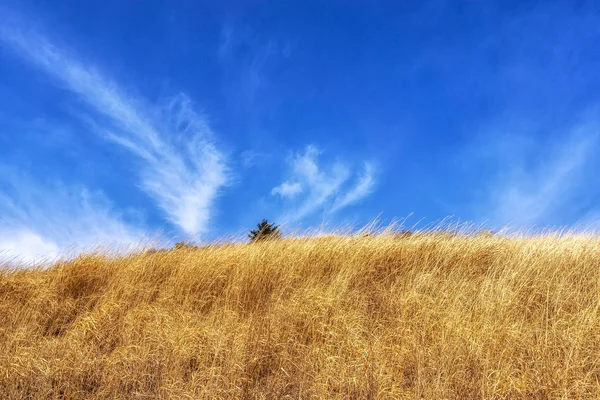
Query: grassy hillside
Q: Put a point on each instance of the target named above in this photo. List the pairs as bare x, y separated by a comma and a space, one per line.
426, 316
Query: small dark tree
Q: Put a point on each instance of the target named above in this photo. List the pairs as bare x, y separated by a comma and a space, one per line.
264, 230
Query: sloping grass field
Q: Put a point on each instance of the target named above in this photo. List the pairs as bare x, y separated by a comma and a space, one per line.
433, 316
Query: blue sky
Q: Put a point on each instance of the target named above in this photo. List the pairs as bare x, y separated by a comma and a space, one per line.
120, 119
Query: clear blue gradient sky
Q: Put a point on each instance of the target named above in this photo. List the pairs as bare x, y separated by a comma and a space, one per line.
119, 119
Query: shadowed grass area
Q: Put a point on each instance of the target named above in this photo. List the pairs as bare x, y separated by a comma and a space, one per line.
384, 316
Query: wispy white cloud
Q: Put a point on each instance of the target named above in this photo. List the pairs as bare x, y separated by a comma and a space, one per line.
254, 158
41, 222
181, 167
537, 190
364, 186
314, 186
288, 189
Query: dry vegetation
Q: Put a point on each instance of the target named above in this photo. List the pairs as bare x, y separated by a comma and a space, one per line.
423, 316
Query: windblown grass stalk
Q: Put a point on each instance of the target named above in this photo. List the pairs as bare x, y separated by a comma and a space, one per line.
424, 316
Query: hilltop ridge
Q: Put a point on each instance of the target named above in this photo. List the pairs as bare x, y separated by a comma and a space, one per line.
379, 316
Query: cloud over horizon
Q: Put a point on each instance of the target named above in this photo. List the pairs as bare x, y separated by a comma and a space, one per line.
41, 221
525, 191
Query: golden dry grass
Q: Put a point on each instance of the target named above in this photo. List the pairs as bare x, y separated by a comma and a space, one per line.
427, 316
